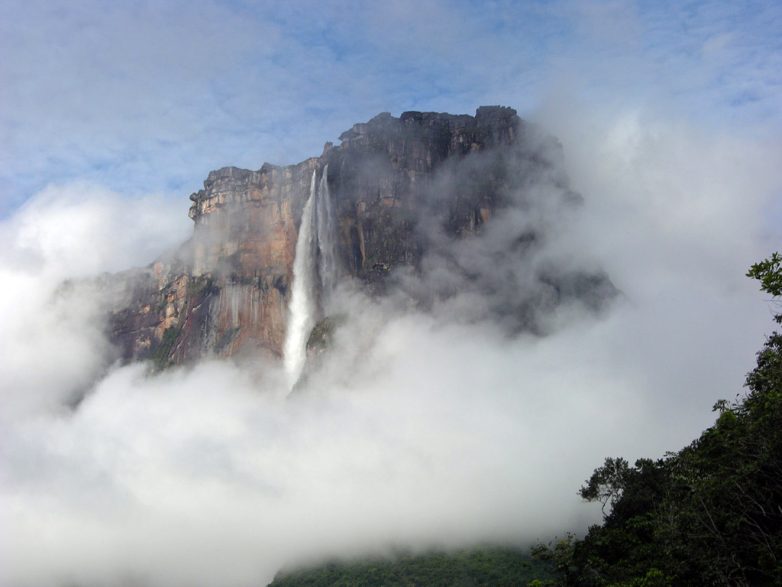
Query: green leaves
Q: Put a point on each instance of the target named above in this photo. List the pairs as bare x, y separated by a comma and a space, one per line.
769, 273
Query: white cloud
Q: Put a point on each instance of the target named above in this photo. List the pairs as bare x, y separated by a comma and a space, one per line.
417, 431
52, 341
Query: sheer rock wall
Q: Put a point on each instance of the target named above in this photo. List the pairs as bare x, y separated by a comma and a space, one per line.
399, 187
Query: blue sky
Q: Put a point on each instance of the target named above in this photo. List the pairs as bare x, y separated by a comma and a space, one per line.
149, 96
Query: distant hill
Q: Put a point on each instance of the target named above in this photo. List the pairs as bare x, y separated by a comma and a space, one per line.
486, 566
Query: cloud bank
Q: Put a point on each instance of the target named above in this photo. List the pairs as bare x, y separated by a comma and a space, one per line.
418, 430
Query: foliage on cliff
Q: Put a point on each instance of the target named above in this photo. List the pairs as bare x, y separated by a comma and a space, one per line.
322, 335
709, 514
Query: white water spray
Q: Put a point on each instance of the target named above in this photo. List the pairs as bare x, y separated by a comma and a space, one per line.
301, 312
327, 243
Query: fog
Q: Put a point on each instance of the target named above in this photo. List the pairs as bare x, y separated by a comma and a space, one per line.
418, 429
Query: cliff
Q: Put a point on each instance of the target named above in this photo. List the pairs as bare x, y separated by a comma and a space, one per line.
403, 191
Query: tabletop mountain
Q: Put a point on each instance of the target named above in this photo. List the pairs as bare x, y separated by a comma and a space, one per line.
433, 204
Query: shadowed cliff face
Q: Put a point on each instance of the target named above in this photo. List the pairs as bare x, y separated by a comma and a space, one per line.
391, 176
431, 205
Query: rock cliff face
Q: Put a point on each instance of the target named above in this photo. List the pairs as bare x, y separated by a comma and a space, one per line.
404, 189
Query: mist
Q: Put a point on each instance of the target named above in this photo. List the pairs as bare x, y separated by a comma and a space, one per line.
419, 428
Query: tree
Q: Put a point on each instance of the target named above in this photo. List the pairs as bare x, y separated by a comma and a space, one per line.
709, 514
607, 483
769, 273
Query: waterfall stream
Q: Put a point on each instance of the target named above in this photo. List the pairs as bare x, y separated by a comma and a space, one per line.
327, 245
318, 214
301, 311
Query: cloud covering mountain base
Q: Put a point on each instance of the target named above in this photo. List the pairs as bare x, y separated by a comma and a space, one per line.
419, 430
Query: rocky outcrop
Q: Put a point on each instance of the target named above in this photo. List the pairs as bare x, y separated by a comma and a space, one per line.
402, 188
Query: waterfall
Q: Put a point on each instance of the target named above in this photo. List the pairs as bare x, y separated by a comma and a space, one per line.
327, 230
301, 312
320, 245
